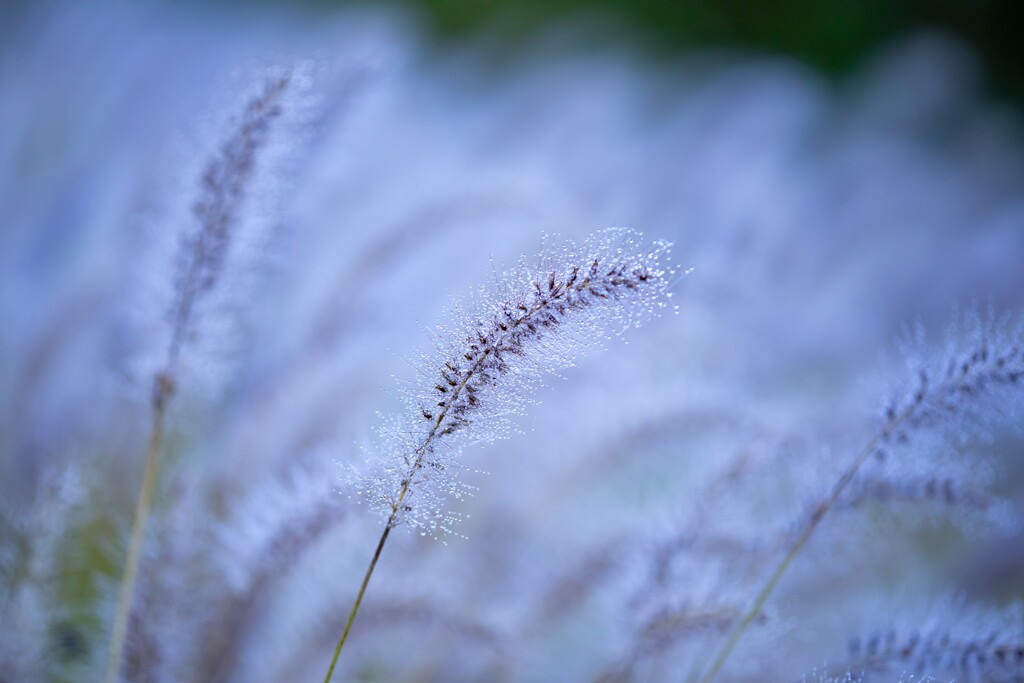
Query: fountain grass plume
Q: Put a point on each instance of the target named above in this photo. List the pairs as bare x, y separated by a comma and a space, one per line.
202, 254
535, 320
957, 393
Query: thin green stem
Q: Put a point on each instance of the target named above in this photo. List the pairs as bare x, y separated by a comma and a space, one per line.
359, 598
115, 652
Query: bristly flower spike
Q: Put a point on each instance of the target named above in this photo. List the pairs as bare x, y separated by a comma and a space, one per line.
955, 395
535, 320
203, 251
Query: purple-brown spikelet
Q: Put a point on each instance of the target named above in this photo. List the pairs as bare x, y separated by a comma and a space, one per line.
946, 491
956, 643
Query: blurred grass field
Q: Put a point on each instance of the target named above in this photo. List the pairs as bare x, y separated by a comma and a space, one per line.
820, 220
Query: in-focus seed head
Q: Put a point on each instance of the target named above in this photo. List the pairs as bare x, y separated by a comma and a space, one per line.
534, 320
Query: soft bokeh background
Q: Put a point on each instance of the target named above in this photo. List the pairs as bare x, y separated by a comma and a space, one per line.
832, 172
